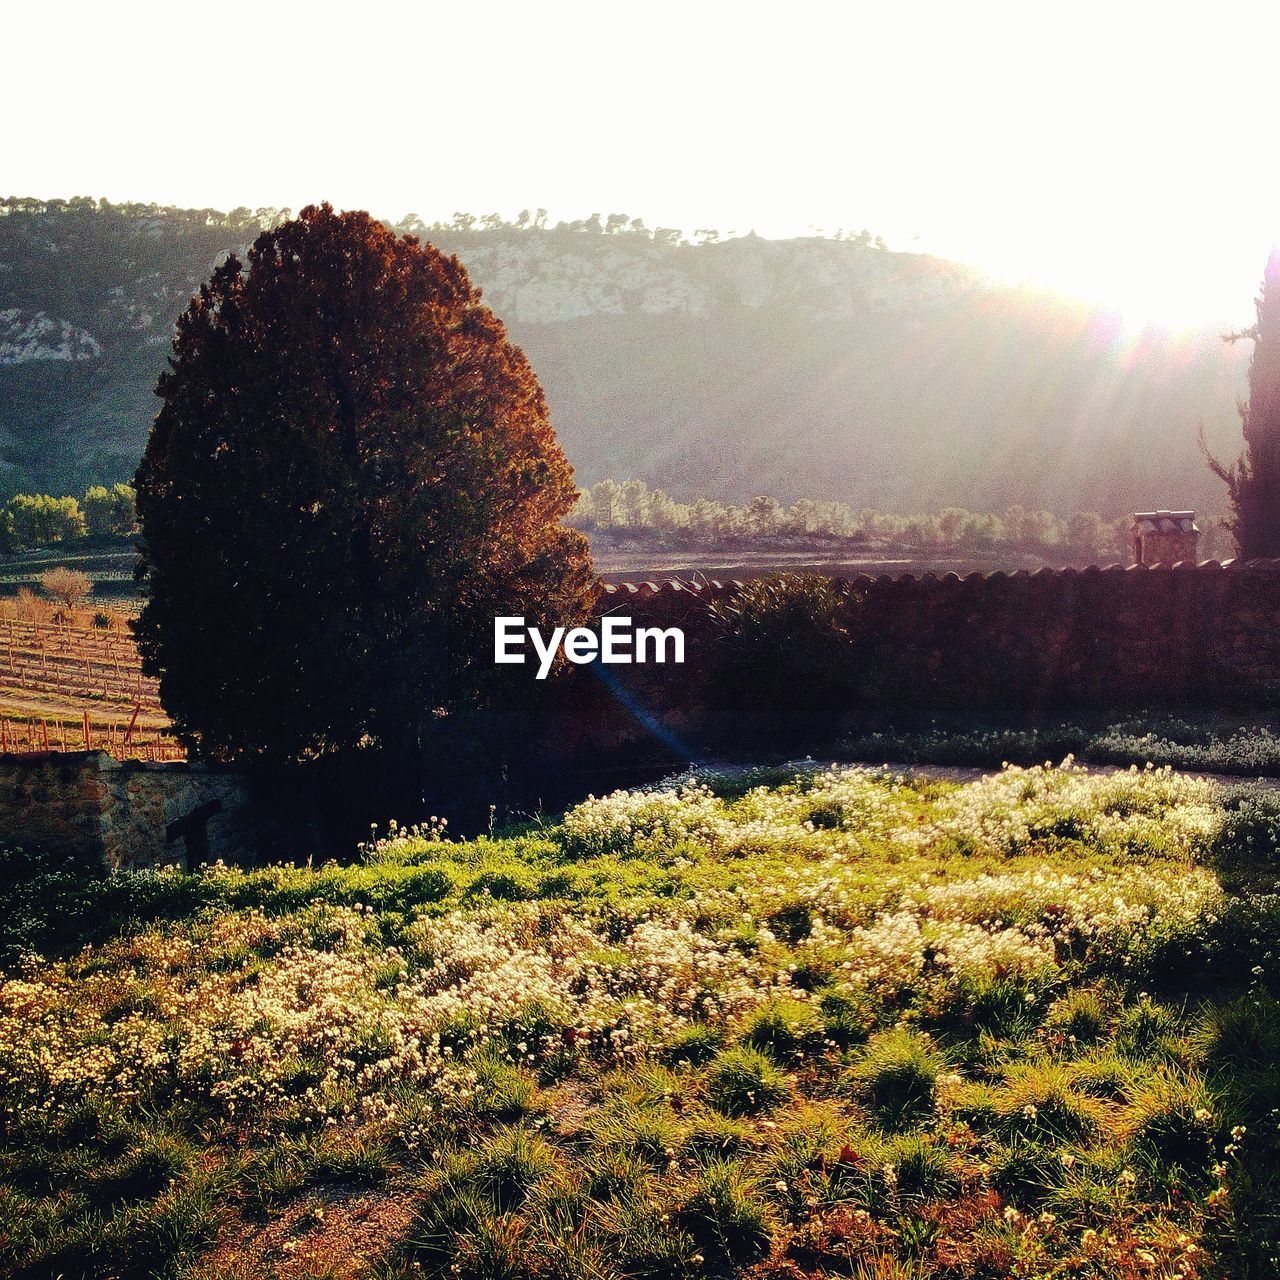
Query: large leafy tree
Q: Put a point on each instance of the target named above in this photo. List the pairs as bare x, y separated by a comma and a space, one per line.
352, 472
1253, 481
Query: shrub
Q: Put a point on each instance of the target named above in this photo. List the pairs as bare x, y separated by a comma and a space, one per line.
1087, 1193
1079, 1016
508, 884
695, 1044
806, 1137
792, 922
450, 1211
497, 1247
351, 1157
847, 1017
144, 1171
714, 1135
1104, 1076
1174, 1122
922, 1168
511, 1165
898, 1075
727, 1216
30, 607
743, 1081
788, 648
1146, 1026
503, 1090
786, 1028
1244, 1035
646, 1243
985, 1002
1026, 1171
611, 1174
1037, 1101
649, 1133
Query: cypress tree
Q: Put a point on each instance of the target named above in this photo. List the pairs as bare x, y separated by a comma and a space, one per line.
1253, 481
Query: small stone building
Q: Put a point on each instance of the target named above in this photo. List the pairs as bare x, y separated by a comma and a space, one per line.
1164, 537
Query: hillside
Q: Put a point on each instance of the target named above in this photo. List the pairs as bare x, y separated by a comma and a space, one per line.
831, 369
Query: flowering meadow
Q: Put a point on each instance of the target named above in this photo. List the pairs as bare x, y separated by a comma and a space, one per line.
833, 1023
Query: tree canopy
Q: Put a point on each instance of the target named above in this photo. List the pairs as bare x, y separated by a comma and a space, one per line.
352, 472
109, 512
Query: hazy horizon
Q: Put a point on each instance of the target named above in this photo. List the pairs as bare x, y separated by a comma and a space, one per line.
1113, 155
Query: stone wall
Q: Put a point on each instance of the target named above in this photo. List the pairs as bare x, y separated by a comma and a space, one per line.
1056, 641
89, 807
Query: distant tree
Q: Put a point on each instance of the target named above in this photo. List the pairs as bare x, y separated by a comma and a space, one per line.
269, 218
1086, 535
1015, 523
1041, 528
985, 530
1253, 480
764, 516
662, 512
40, 520
922, 530
804, 516
68, 587
952, 522
707, 517
635, 503
352, 472
606, 503
110, 513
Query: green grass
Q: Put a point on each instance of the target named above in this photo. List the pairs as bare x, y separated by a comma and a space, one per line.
774, 1026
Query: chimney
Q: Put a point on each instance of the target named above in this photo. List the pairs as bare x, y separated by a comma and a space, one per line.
1164, 537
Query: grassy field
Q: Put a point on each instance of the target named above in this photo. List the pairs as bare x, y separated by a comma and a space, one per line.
829, 1025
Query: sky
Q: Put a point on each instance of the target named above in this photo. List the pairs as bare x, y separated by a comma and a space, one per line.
1120, 152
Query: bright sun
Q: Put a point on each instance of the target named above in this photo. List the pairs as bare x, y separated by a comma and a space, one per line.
1116, 152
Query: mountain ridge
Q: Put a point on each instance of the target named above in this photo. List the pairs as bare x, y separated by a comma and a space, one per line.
823, 368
